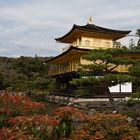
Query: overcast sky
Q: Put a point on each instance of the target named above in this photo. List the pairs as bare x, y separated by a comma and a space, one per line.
28, 27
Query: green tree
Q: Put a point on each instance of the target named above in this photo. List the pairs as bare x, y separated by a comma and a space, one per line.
135, 72
117, 44
1, 80
137, 47
30, 66
131, 44
21, 74
138, 33
102, 70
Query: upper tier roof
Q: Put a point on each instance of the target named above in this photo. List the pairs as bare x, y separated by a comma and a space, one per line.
91, 30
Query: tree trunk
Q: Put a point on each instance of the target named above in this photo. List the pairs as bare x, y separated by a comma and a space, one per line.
107, 92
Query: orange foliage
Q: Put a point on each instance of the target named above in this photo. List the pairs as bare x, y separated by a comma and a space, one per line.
20, 114
107, 127
37, 120
20, 105
25, 127
14, 134
37, 125
70, 113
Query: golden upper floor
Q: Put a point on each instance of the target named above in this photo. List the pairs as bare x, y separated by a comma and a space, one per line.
82, 39
70, 60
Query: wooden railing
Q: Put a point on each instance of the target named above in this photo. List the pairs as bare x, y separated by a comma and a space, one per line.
61, 69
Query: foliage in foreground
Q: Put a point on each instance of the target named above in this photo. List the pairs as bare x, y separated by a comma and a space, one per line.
66, 116
131, 108
21, 118
107, 127
40, 126
14, 105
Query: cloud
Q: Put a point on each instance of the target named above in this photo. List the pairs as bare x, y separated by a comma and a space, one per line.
28, 27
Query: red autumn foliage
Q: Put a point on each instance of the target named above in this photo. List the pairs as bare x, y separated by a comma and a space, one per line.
70, 112
37, 120
41, 126
107, 127
21, 105
14, 134
30, 126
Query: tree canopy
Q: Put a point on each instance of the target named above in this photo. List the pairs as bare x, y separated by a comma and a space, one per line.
132, 45
23, 73
103, 69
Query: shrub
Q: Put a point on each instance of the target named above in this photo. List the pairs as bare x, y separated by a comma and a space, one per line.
107, 127
66, 116
136, 95
14, 105
132, 102
40, 126
14, 134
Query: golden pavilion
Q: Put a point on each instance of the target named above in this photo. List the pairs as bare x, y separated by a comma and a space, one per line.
81, 39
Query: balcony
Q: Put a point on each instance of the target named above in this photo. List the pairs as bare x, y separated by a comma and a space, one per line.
61, 69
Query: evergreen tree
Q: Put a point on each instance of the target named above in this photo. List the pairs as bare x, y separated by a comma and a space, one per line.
131, 44
24, 73
135, 72
138, 33
117, 44
137, 48
104, 64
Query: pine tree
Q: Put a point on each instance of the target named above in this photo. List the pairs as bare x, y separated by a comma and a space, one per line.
104, 64
137, 48
131, 44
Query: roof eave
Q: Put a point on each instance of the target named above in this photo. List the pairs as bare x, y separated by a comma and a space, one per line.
62, 37
119, 33
71, 47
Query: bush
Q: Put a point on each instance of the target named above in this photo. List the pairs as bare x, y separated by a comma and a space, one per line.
66, 116
14, 134
40, 126
21, 118
14, 105
107, 127
132, 102
136, 95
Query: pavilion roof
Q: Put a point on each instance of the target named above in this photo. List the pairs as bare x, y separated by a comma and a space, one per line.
91, 30
66, 55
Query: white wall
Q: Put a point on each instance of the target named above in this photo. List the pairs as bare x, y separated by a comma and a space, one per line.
127, 87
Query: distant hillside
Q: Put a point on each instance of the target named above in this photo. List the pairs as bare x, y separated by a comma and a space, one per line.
23, 73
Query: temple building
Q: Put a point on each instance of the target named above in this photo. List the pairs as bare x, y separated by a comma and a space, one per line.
80, 40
